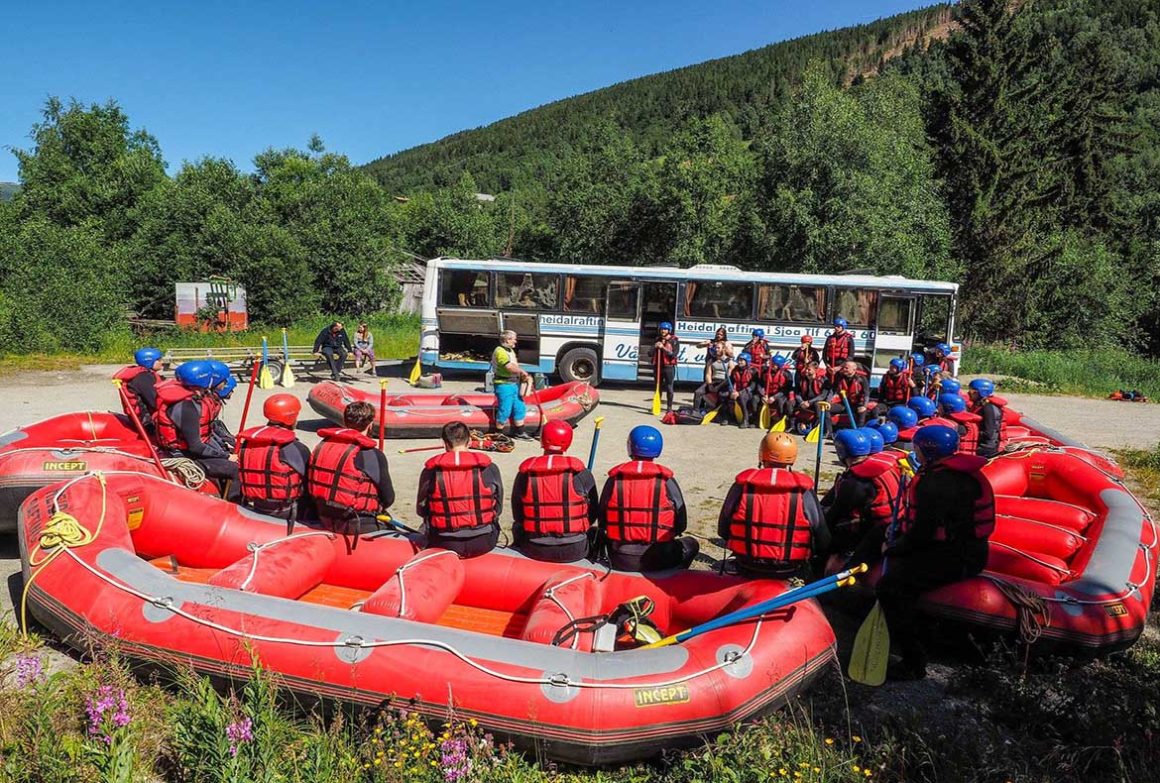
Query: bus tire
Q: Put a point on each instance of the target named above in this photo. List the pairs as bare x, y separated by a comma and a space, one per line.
580, 364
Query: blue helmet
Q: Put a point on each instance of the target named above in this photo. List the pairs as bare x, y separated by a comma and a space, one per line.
934, 443
779, 361
902, 416
147, 357
889, 432
951, 403
221, 371
759, 334
897, 364
918, 359
923, 406
877, 442
645, 442
197, 374
840, 321
227, 388
951, 386
744, 357
943, 348
984, 387
851, 443
666, 325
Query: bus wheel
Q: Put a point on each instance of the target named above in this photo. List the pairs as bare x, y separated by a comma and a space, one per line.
580, 364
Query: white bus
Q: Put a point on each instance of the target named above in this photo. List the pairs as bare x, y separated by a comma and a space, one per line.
593, 323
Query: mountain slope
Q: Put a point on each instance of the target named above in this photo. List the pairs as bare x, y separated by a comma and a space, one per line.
528, 145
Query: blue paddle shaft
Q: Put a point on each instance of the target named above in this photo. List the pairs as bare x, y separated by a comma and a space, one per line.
592, 451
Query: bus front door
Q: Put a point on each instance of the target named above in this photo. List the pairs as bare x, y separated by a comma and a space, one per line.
621, 338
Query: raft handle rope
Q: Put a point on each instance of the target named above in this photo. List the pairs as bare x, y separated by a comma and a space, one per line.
550, 594
1031, 610
412, 564
256, 549
188, 470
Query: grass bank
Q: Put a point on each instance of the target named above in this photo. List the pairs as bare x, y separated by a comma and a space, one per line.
396, 337
1086, 373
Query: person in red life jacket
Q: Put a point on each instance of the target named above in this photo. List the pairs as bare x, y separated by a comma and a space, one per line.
839, 347
642, 510
460, 496
771, 520
923, 408
272, 462
941, 358
744, 389
990, 411
554, 501
865, 498
853, 381
888, 431
805, 354
348, 479
758, 350
666, 354
139, 380
777, 389
894, 389
942, 538
810, 388
905, 420
954, 408
186, 422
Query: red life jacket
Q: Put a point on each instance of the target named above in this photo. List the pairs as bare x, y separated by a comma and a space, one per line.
838, 348
263, 473
968, 431
639, 509
807, 388
770, 521
551, 504
170, 393
984, 508
855, 389
1001, 402
778, 382
759, 351
334, 478
882, 471
460, 499
671, 343
802, 357
895, 388
742, 378
126, 374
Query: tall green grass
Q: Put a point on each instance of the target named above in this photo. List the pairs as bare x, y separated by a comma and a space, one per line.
1082, 372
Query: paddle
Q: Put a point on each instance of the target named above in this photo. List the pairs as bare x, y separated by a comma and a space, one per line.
124, 395
417, 370
265, 379
382, 412
387, 519
287, 379
656, 405
849, 408
708, 418
813, 435
595, 439
766, 417
246, 405
823, 408
780, 424
820, 587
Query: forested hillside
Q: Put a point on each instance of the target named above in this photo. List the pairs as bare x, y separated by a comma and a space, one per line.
524, 149
1020, 156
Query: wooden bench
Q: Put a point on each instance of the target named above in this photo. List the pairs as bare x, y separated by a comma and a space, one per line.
241, 360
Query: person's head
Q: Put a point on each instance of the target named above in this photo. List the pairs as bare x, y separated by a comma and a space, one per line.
508, 338
840, 324
903, 417
556, 437
951, 386
645, 442
362, 328
758, 334
889, 432
666, 328
778, 450
807, 340
358, 416
849, 369
224, 381
951, 403
721, 335
877, 442
918, 359
195, 375
455, 436
743, 359
981, 388
149, 358
336, 327
896, 366
282, 409
935, 443
778, 361
923, 407
942, 350
851, 446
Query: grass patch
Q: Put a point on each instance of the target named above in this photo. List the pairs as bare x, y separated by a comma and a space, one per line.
1086, 373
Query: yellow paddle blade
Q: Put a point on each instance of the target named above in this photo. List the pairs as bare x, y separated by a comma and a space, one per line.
656, 406
265, 379
287, 379
780, 425
709, 417
738, 414
814, 434
871, 652
416, 372
765, 417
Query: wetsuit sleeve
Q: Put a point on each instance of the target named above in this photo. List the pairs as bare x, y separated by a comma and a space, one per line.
605, 496
145, 387
492, 477
727, 510
297, 456
848, 496
819, 530
989, 429
424, 494
519, 487
373, 463
680, 513
585, 484
186, 415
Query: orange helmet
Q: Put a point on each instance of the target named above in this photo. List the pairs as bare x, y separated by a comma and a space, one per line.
282, 409
778, 447
556, 437
807, 339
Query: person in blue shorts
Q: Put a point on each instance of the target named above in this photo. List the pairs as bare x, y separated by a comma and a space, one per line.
509, 377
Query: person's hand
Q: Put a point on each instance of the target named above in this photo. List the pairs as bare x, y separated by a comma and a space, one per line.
733, 395
860, 409
233, 457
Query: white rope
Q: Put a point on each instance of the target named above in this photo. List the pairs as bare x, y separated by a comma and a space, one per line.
550, 594
410, 564
255, 549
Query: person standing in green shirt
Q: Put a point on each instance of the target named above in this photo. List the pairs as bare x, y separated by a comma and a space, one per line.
508, 379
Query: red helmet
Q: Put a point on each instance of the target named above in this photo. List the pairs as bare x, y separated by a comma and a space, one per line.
556, 437
282, 409
807, 339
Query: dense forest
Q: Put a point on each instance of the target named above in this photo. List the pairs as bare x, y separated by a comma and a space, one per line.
1013, 146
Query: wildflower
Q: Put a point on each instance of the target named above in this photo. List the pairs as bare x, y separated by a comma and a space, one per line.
456, 764
108, 710
239, 733
28, 670
867, 772
782, 771
856, 738
817, 769
473, 723
856, 769
829, 741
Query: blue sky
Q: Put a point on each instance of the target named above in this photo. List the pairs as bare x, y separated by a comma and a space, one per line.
231, 79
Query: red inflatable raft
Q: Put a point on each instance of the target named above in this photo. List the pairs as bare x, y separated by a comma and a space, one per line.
423, 415
388, 621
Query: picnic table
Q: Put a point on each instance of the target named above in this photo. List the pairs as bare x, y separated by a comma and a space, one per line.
240, 360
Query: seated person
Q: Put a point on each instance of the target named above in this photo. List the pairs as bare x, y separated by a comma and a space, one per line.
272, 462
642, 510
864, 501
139, 380
187, 421
348, 479
715, 390
777, 388
554, 501
364, 348
460, 496
771, 520
954, 408
895, 388
851, 380
984, 403
333, 343
744, 389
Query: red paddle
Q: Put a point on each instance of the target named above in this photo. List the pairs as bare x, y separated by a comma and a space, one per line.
382, 411
137, 423
246, 406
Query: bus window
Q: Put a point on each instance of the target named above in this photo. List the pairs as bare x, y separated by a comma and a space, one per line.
622, 301
794, 303
464, 289
856, 305
729, 301
527, 291
894, 315
584, 294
